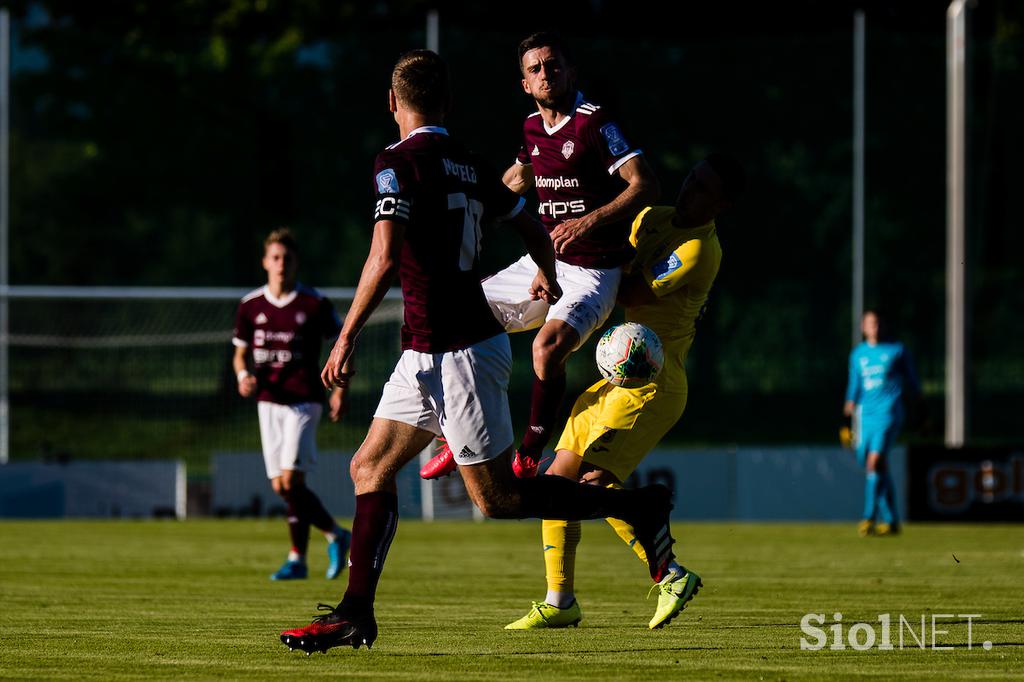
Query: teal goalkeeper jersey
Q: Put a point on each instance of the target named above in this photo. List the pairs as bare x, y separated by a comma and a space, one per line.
879, 376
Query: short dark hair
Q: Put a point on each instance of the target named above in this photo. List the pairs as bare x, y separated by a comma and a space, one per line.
420, 80
284, 237
545, 39
734, 178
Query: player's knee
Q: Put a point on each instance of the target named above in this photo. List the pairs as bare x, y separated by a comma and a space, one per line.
549, 355
368, 473
358, 469
289, 482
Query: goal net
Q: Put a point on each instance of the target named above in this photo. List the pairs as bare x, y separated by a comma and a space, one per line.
111, 373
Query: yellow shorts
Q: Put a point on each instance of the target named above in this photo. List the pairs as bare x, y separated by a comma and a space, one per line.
614, 428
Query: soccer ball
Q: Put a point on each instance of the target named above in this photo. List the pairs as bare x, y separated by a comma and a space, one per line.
630, 355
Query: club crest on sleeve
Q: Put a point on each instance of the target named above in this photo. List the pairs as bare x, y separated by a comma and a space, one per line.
387, 182
666, 266
616, 142
568, 148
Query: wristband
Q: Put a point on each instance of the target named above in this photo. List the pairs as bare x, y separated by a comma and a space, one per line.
242, 374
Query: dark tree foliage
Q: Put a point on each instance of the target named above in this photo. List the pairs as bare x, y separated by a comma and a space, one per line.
160, 141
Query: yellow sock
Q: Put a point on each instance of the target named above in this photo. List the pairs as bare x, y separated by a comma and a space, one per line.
560, 541
625, 531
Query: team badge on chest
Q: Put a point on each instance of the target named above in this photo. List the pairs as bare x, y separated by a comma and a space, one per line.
300, 317
568, 148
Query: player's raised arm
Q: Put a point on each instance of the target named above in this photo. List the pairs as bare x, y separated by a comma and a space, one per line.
641, 190
378, 273
519, 178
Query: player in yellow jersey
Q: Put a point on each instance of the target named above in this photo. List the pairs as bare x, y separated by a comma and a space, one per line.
612, 428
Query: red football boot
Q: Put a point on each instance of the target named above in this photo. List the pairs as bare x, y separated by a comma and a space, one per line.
441, 464
330, 630
524, 466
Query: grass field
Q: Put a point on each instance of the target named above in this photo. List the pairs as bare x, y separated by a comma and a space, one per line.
152, 600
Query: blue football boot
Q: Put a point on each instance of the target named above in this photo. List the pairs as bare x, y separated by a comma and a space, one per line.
336, 554
291, 570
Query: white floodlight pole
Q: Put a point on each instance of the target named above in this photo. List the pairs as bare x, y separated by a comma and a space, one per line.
858, 173
956, 280
427, 487
5, 107
433, 32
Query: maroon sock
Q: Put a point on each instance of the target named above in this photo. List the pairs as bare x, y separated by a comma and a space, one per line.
545, 400
373, 528
312, 509
298, 528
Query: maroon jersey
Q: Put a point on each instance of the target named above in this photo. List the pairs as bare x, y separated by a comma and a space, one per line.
574, 166
285, 336
441, 193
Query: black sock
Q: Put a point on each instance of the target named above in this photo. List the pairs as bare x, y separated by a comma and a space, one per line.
554, 497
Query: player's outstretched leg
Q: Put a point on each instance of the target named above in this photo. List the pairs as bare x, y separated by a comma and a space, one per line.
554, 497
675, 590
650, 524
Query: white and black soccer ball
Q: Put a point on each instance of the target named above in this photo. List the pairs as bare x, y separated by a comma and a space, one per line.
630, 355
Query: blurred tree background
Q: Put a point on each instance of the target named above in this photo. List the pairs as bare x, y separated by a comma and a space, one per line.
156, 143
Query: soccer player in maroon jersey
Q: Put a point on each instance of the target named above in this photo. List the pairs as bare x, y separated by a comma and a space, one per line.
280, 326
590, 182
452, 377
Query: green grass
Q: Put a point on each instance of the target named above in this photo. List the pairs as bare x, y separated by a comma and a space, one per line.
159, 600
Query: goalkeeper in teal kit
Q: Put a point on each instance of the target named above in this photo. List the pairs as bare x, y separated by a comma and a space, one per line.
881, 374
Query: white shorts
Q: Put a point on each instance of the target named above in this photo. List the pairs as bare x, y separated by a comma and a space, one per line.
461, 395
588, 297
288, 433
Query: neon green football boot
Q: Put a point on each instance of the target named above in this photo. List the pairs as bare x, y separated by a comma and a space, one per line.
543, 615
673, 594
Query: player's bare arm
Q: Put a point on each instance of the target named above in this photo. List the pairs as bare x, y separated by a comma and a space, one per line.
518, 178
246, 381
538, 244
378, 272
337, 403
641, 190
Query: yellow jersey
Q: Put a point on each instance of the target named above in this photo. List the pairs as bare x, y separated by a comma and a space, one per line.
679, 265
